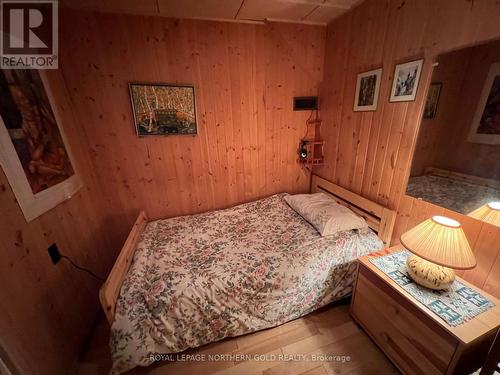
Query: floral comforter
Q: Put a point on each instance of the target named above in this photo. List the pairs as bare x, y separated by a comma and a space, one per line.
201, 278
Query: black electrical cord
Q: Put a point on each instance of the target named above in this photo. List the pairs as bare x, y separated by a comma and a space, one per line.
81, 268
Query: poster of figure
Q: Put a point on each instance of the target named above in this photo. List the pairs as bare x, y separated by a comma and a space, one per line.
32, 127
32, 141
486, 125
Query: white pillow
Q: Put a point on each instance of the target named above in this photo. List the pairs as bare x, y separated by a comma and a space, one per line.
326, 215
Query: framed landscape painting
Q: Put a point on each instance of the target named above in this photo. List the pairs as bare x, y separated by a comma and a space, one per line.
33, 152
367, 89
162, 109
405, 82
486, 124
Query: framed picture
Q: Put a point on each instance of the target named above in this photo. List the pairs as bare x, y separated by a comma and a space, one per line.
162, 109
486, 124
367, 89
405, 83
432, 100
34, 153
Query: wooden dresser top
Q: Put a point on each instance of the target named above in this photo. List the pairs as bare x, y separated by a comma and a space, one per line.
466, 332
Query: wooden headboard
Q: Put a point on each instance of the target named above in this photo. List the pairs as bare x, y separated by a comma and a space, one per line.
379, 218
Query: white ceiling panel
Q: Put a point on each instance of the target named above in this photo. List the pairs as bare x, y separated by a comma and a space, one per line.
274, 9
324, 14
199, 8
298, 11
147, 7
343, 4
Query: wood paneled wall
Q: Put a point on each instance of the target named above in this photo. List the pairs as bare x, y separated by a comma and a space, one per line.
46, 310
245, 77
370, 152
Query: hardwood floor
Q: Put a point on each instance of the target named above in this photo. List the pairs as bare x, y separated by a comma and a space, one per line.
329, 331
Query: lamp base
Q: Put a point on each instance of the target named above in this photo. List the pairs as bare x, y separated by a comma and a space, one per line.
428, 274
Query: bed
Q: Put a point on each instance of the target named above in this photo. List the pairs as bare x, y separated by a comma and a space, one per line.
455, 191
184, 282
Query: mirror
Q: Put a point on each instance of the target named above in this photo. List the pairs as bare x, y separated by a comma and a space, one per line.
456, 163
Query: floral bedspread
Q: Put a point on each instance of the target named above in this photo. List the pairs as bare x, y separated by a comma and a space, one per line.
198, 279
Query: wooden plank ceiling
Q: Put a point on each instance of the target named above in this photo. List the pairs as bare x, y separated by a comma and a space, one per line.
297, 11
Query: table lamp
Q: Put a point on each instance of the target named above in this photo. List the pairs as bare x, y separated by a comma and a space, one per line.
489, 213
439, 245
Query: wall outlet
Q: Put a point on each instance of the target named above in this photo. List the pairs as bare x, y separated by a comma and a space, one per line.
54, 253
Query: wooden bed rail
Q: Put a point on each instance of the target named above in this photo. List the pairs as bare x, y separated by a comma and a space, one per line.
378, 217
110, 290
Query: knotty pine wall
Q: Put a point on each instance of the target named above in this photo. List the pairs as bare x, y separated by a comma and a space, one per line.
245, 76
370, 152
46, 310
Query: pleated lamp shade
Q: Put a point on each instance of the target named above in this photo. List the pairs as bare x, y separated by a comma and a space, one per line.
442, 241
489, 213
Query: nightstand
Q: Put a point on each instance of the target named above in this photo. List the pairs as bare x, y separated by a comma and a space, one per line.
415, 339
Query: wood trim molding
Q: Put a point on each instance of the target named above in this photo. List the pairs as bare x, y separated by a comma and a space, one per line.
110, 290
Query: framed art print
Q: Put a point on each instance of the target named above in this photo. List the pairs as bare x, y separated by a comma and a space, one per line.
367, 90
486, 123
432, 100
162, 109
33, 151
405, 82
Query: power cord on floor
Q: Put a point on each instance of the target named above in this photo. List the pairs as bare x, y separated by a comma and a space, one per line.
82, 268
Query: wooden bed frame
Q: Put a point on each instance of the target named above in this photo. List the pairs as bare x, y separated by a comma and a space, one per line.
110, 290
379, 218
